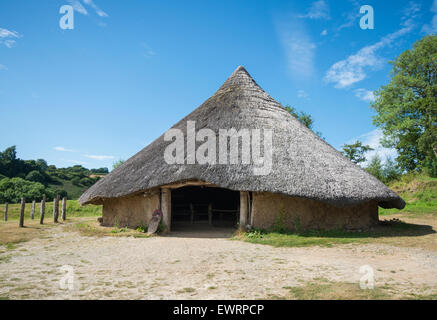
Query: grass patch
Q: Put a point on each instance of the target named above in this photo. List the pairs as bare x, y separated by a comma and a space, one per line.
91, 228
186, 290
389, 229
326, 290
74, 209
419, 192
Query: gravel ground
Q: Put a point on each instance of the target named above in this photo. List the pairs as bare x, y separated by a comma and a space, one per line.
193, 266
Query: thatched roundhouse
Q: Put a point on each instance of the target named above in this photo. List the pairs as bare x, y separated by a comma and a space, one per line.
310, 184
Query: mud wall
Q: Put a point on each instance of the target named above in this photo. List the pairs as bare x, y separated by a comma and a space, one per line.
130, 211
297, 213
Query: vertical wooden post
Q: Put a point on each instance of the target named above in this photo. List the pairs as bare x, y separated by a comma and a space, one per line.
64, 208
243, 209
210, 214
43, 209
32, 213
166, 207
192, 213
6, 211
56, 204
54, 209
23, 204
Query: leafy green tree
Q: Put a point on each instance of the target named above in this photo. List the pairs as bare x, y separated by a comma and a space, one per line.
355, 151
13, 189
35, 176
391, 171
407, 107
375, 167
116, 164
304, 118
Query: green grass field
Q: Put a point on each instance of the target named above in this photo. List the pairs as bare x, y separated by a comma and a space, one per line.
74, 209
420, 195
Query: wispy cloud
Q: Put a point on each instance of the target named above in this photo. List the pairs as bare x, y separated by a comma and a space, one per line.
148, 52
324, 32
432, 26
318, 10
365, 95
373, 139
63, 149
3, 67
77, 6
75, 162
98, 11
302, 94
351, 16
6, 35
98, 157
355, 67
299, 48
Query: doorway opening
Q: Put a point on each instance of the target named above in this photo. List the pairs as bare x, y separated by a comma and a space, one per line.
204, 207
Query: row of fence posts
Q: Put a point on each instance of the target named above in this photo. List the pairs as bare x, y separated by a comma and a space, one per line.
42, 210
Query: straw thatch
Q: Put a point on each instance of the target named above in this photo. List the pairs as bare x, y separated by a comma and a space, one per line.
304, 165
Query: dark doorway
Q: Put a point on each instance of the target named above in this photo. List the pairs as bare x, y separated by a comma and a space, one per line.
199, 206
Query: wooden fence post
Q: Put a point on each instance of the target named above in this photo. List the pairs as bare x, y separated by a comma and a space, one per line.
43, 209
64, 208
6, 211
32, 213
23, 204
56, 209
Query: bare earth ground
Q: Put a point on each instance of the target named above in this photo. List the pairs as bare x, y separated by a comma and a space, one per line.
193, 266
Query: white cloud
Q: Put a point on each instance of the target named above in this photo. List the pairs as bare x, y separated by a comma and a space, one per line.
78, 6
299, 49
365, 95
75, 162
324, 32
373, 139
302, 94
354, 68
63, 149
351, 16
148, 52
98, 157
432, 26
5, 36
318, 10
99, 11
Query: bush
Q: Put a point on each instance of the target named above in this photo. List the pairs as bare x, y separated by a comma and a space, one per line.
12, 190
35, 176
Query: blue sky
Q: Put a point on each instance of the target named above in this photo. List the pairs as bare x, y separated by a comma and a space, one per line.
131, 69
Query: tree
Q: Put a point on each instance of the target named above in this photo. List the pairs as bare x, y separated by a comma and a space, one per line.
116, 164
35, 176
391, 171
12, 190
375, 167
304, 118
407, 107
355, 151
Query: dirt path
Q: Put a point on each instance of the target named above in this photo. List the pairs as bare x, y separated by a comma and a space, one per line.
187, 266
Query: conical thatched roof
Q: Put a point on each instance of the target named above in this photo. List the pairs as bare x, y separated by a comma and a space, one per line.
304, 165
